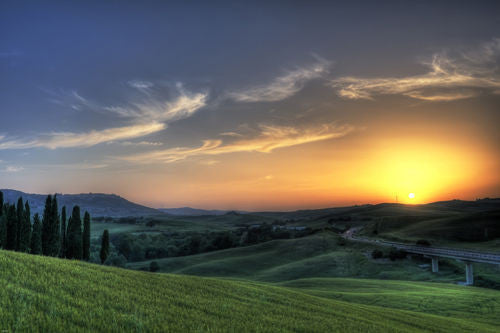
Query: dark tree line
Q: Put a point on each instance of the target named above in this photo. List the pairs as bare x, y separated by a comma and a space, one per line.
50, 235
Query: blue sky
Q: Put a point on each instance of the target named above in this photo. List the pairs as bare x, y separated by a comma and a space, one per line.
206, 103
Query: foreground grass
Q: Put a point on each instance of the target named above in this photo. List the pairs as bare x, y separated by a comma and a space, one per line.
54, 295
475, 304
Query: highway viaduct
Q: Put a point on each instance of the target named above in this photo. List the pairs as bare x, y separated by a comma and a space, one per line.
466, 256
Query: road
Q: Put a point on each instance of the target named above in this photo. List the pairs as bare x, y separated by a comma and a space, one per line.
459, 254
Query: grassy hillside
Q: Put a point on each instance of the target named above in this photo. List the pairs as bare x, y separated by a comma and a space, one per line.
448, 300
52, 295
463, 228
320, 255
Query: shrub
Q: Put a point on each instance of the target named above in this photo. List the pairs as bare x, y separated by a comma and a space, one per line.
397, 254
153, 266
377, 254
423, 242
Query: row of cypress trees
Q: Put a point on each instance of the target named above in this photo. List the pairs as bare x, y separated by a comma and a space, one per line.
50, 236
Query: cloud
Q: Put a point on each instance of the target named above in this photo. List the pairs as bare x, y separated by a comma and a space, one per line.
144, 87
233, 134
147, 117
13, 169
269, 139
71, 99
450, 77
138, 84
84, 139
183, 106
284, 86
137, 144
73, 166
209, 162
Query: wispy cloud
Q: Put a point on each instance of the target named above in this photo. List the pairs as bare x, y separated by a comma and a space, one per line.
183, 106
141, 85
13, 169
283, 86
70, 99
450, 77
233, 134
84, 139
269, 139
145, 118
84, 165
138, 144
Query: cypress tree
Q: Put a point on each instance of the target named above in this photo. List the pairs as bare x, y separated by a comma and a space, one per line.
1, 203
55, 228
3, 229
86, 237
62, 252
36, 237
46, 236
104, 246
10, 242
19, 221
68, 230
25, 229
74, 235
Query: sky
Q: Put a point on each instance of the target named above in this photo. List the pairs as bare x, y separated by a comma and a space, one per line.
263, 105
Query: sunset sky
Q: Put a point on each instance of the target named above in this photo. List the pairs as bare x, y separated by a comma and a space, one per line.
251, 106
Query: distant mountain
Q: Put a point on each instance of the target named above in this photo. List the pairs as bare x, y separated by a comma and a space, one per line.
97, 204
188, 211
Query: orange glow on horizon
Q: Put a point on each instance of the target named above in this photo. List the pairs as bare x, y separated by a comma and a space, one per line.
304, 177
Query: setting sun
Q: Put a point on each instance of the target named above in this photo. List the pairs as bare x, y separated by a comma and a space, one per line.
411, 195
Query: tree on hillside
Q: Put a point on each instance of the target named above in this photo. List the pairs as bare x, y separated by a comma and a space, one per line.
104, 246
62, 251
10, 242
3, 229
46, 225
25, 229
153, 266
19, 221
50, 227
55, 228
1, 203
36, 236
74, 235
86, 237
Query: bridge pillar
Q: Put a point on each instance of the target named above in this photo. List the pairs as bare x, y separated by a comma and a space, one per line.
435, 264
469, 274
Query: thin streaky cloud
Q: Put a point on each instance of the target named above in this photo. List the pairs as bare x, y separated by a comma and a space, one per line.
185, 105
84, 139
270, 138
283, 86
147, 118
446, 80
233, 134
137, 144
13, 169
139, 84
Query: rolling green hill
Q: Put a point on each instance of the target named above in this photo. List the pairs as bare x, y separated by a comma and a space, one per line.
323, 254
54, 295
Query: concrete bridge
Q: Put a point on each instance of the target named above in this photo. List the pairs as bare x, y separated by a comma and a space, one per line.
434, 253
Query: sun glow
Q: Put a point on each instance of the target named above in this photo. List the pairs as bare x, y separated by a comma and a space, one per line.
397, 170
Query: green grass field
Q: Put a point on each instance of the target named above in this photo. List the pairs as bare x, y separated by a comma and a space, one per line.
318, 255
55, 295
